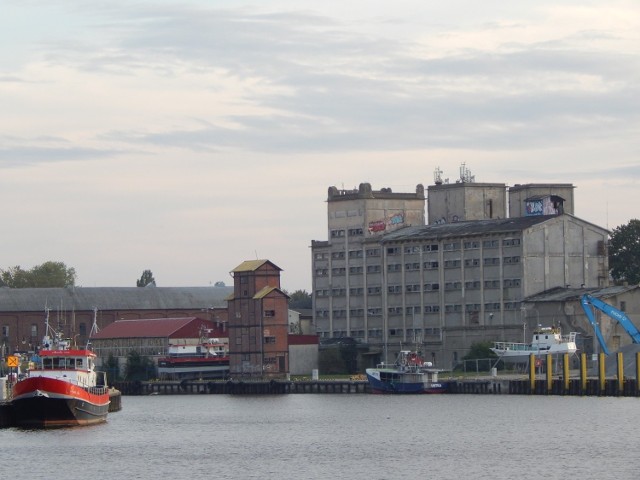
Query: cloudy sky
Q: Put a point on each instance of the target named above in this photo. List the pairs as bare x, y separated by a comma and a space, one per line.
186, 137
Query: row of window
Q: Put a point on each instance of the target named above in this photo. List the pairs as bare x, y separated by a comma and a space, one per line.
427, 309
414, 288
352, 232
412, 333
398, 267
451, 246
393, 332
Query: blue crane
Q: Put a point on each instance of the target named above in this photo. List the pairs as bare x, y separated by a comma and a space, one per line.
589, 303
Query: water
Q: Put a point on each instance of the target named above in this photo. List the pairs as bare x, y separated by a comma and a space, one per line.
341, 437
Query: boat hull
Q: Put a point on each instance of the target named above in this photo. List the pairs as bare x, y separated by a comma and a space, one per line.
41, 402
381, 385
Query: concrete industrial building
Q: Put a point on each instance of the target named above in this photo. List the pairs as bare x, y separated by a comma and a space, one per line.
388, 279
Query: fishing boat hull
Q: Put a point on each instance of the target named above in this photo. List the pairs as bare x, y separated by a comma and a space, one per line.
393, 382
41, 402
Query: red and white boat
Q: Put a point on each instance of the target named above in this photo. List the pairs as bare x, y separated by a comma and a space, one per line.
208, 359
63, 390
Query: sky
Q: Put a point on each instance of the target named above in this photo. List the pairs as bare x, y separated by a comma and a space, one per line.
187, 137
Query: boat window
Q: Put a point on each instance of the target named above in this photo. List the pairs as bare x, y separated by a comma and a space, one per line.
58, 362
78, 363
71, 363
47, 363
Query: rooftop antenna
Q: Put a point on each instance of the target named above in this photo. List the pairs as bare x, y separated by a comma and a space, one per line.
437, 176
465, 174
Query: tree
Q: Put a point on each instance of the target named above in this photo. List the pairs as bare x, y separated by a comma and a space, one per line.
300, 299
146, 279
48, 275
138, 367
624, 252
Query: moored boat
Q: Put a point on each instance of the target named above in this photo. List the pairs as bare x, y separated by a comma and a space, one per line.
545, 340
63, 389
408, 374
208, 359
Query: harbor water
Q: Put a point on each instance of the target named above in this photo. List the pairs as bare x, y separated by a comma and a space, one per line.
369, 437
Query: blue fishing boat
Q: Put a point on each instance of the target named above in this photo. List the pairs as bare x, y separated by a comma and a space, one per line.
408, 374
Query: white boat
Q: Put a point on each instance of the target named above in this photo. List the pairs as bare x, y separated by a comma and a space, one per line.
546, 340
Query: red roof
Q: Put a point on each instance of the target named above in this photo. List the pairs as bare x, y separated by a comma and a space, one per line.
156, 327
295, 339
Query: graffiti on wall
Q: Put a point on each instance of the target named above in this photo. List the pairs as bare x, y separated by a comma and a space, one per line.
395, 220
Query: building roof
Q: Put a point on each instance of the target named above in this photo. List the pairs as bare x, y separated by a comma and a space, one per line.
561, 294
252, 266
112, 298
466, 228
267, 290
145, 328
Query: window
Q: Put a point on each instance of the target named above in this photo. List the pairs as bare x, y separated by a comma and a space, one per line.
355, 232
395, 310
431, 308
394, 267
355, 270
393, 251
375, 312
451, 246
471, 245
374, 290
430, 265
412, 249
373, 252
322, 272
472, 285
430, 248
412, 288
412, 266
490, 243
338, 271
491, 261
451, 263
356, 291
430, 287
471, 262
337, 255
356, 312
511, 242
337, 292
270, 340
492, 284
374, 268
375, 333
269, 313
355, 254
394, 289
337, 233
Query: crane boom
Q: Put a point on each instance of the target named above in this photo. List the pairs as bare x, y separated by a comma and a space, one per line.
589, 302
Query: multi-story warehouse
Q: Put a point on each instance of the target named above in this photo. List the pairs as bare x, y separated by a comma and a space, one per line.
258, 321
447, 285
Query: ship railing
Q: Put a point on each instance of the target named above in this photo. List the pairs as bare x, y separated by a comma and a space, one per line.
511, 346
102, 390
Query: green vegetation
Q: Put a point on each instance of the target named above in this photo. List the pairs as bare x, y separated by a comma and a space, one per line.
138, 367
480, 358
624, 253
299, 299
146, 279
48, 275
